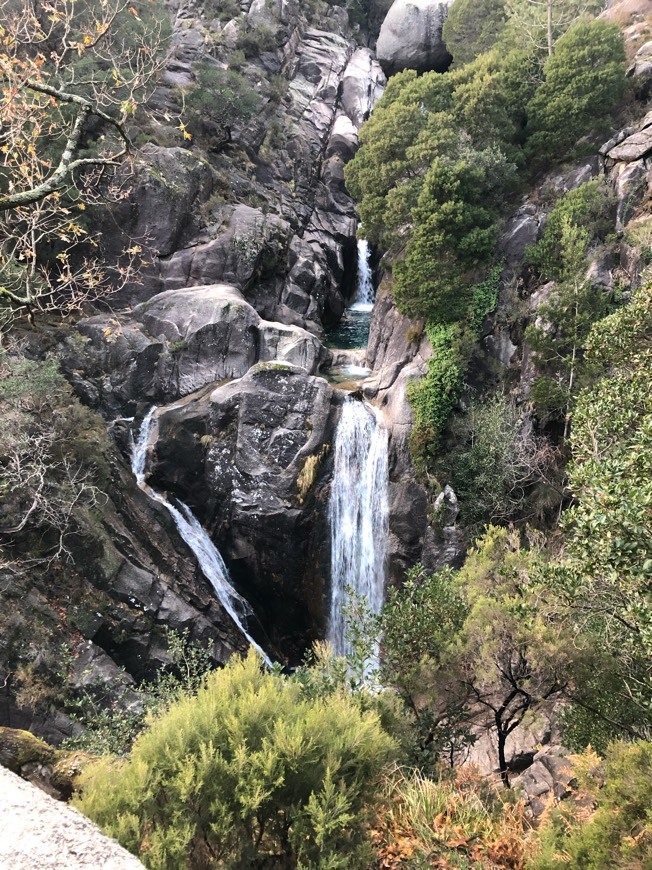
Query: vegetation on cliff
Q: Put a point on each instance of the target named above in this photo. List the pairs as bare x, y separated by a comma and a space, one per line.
441, 156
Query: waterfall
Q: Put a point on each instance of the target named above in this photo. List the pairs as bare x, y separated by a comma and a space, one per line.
358, 514
207, 555
364, 291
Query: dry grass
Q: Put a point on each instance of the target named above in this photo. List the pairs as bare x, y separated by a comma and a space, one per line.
465, 821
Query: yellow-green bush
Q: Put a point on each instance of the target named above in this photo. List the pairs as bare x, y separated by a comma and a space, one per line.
248, 769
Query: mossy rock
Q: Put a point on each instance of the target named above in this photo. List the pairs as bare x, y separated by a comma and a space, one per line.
67, 769
18, 748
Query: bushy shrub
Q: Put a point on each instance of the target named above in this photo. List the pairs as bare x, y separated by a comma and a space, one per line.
591, 207
461, 821
248, 769
255, 40
434, 396
619, 832
221, 100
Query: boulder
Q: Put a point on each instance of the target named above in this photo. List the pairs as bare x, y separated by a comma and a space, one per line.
178, 342
635, 146
411, 37
38, 831
641, 71
547, 781
251, 460
522, 230
631, 182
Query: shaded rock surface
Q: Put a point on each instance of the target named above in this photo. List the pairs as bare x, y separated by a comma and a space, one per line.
38, 831
411, 36
398, 352
251, 458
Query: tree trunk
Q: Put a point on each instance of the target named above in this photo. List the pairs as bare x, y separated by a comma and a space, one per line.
502, 761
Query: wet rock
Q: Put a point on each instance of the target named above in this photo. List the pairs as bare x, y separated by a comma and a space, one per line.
411, 37
631, 182
521, 231
398, 352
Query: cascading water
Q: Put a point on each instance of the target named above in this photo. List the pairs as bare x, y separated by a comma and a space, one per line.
365, 293
358, 514
207, 555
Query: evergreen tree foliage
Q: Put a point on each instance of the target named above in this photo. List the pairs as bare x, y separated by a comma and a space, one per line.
591, 208
584, 81
471, 28
249, 770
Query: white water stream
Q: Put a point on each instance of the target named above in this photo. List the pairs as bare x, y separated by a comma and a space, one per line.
365, 293
207, 555
358, 514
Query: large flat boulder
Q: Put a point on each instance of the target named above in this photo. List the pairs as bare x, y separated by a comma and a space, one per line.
38, 831
178, 342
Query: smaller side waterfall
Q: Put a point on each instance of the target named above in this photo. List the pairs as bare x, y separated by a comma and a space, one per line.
364, 293
358, 514
207, 555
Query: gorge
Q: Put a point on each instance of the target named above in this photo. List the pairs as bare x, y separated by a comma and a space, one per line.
355, 333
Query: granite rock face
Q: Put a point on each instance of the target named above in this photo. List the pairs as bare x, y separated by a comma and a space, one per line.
38, 831
178, 342
411, 37
251, 459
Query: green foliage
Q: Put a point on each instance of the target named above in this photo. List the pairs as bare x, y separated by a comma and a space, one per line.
604, 578
223, 10
222, 97
256, 39
472, 29
584, 81
499, 470
434, 396
484, 298
247, 770
591, 208
619, 832
454, 235
112, 729
474, 648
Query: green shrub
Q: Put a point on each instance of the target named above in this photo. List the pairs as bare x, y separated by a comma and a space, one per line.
434, 396
619, 832
591, 207
248, 769
224, 10
584, 82
255, 40
221, 99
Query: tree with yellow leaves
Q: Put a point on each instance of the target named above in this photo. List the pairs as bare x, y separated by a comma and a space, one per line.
74, 74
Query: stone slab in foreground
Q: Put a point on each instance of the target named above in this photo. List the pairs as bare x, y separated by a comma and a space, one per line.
37, 831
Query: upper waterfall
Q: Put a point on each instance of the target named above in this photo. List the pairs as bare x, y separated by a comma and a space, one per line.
364, 292
358, 514
197, 538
